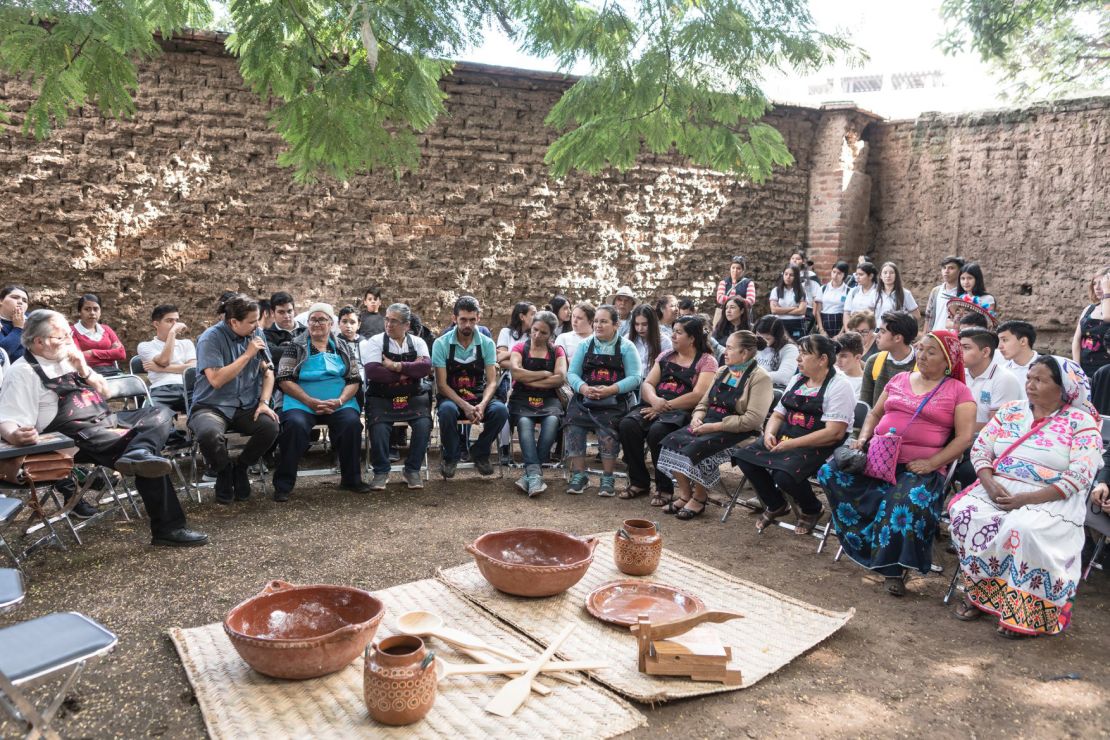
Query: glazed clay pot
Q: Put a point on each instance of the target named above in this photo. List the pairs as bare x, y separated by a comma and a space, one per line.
637, 547
532, 562
297, 632
399, 680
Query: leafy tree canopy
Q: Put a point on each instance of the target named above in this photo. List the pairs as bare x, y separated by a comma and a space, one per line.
358, 80
1044, 48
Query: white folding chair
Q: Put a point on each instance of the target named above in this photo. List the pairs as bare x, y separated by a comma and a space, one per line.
40, 650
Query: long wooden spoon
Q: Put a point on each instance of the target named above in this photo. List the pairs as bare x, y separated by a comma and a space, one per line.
513, 694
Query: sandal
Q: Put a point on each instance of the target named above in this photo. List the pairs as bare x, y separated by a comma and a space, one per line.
767, 518
966, 612
686, 514
806, 522
1011, 635
676, 505
660, 499
896, 585
633, 492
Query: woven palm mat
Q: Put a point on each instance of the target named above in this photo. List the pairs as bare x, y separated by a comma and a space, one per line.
775, 628
239, 703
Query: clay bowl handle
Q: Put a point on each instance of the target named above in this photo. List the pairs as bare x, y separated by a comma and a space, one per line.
591, 542
470, 548
276, 585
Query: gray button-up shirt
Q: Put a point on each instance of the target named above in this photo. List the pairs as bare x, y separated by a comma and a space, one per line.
218, 347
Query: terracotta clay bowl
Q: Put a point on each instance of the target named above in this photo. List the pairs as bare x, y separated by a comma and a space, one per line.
532, 562
289, 631
622, 602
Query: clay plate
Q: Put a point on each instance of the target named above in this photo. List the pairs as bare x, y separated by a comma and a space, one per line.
622, 602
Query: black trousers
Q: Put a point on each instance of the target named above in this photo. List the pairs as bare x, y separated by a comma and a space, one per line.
148, 429
210, 427
171, 396
345, 432
770, 485
634, 431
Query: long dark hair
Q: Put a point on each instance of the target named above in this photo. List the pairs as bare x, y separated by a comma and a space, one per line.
655, 346
897, 292
771, 324
799, 291
556, 305
695, 327
724, 328
516, 319
973, 269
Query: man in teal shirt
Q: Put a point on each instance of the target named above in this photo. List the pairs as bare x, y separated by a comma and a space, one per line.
465, 364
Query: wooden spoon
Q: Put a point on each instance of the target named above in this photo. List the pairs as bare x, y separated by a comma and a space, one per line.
513, 694
445, 669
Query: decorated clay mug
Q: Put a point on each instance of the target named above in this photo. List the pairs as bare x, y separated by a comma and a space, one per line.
399, 680
637, 547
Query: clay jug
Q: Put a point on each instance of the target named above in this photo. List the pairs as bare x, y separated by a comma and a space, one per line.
637, 547
399, 680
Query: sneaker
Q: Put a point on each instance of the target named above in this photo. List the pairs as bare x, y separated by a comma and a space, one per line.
394, 454
536, 486
608, 486
209, 476
579, 482
379, 481
83, 510
483, 465
360, 487
413, 479
523, 482
447, 469
279, 496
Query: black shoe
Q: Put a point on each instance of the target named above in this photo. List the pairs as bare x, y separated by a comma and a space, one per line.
84, 510
242, 482
464, 455
281, 496
225, 481
447, 469
180, 538
360, 487
394, 454
143, 463
483, 465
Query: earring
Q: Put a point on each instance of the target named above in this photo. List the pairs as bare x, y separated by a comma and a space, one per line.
947, 371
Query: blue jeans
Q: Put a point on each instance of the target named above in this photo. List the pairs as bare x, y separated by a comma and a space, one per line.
495, 417
537, 454
345, 431
418, 444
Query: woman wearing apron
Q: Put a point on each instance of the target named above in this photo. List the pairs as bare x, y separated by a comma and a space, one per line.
809, 422
539, 369
731, 412
603, 374
319, 376
671, 390
397, 392
830, 301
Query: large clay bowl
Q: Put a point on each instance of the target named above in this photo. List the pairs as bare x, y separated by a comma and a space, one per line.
532, 562
289, 631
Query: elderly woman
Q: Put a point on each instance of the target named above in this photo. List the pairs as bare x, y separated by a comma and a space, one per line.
539, 369
603, 374
730, 412
319, 376
1019, 531
810, 420
886, 527
100, 345
669, 393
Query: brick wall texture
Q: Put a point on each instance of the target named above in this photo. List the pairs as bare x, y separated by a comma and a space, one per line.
186, 200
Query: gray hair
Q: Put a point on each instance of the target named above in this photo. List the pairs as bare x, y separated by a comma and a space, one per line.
548, 318
37, 325
401, 310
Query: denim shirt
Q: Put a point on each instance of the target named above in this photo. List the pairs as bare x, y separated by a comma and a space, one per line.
218, 347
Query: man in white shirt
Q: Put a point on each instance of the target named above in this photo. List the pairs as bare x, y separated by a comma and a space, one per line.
167, 357
936, 310
1015, 344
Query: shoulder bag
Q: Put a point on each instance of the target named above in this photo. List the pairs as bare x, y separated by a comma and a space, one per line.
883, 449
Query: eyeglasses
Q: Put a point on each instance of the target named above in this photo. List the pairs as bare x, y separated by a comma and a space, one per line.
320, 320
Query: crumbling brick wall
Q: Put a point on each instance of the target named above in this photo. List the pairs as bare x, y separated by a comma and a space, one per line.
1026, 193
186, 200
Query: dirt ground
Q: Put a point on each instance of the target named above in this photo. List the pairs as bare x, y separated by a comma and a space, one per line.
901, 667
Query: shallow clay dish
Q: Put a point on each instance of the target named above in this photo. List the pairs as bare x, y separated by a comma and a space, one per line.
289, 631
622, 602
532, 562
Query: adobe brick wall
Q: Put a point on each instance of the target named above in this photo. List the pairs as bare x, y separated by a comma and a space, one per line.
186, 200
1026, 193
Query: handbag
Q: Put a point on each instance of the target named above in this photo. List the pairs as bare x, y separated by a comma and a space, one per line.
850, 460
883, 449
40, 468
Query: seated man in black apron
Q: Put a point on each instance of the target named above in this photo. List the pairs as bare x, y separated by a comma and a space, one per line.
52, 389
397, 366
465, 363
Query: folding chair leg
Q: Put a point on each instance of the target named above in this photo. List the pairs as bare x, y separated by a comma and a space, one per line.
825, 535
1095, 556
733, 498
16, 561
839, 552
65, 514
952, 586
16, 703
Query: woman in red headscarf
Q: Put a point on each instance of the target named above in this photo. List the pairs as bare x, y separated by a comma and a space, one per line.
889, 527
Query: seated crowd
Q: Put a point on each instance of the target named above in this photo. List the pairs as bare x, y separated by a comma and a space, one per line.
965, 401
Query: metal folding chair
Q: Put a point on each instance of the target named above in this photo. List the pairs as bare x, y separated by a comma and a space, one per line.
135, 365
862, 410
733, 496
11, 589
9, 510
40, 650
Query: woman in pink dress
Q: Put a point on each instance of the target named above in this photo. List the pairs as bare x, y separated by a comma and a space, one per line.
889, 527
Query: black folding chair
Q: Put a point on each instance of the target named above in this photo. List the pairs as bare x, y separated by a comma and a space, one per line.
135, 365
734, 495
44, 649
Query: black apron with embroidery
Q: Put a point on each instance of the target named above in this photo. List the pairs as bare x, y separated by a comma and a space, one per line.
803, 416
405, 400
723, 397
532, 402
467, 379
82, 413
598, 369
1094, 342
675, 381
